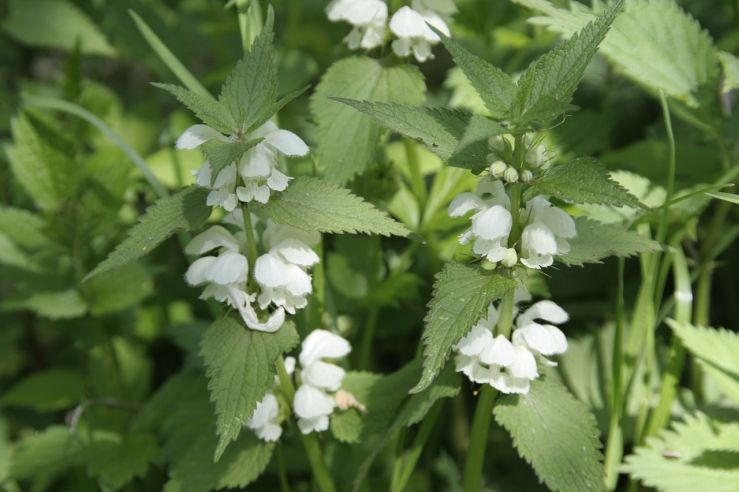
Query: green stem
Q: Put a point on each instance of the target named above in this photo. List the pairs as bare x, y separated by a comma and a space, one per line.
250, 21
670, 188
408, 462
251, 241
414, 168
368, 334
282, 470
615, 445
312, 447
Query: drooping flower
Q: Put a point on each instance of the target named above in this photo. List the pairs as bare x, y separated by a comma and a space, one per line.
543, 338
315, 399
281, 272
265, 421
411, 26
491, 224
368, 18
546, 233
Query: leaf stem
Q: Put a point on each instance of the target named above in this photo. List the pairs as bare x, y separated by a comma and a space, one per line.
407, 463
614, 447
414, 168
368, 334
251, 241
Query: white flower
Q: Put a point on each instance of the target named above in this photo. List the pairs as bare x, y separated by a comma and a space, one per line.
314, 403
546, 234
415, 37
265, 421
281, 272
492, 223
545, 339
368, 18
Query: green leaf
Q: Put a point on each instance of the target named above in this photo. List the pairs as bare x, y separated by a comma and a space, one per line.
456, 136
221, 154
251, 88
584, 180
461, 295
556, 434
730, 66
115, 462
495, 87
347, 140
727, 197
546, 87
185, 210
596, 241
60, 304
653, 42
55, 24
119, 289
317, 205
211, 112
46, 391
23, 228
50, 451
696, 454
12, 255
240, 367
42, 161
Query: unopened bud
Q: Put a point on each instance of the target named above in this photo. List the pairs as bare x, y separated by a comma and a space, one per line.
497, 143
510, 175
498, 168
510, 258
527, 176
345, 401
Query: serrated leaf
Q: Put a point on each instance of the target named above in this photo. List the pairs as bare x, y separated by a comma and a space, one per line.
240, 365
546, 87
220, 154
696, 454
495, 87
55, 24
654, 42
119, 289
348, 140
456, 136
317, 205
48, 390
730, 66
115, 462
713, 347
211, 112
596, 241
12, 255
49, 451
23, 228
584, 180
556, 434
185, 210
461, 295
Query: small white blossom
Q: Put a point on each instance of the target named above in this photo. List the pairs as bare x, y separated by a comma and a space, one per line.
498, 168
411, 26
314, 400
511, 175
492, 223
546, 233
368, 18
545, 339
265, 421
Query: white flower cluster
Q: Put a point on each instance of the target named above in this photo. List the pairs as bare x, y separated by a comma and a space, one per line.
546, 228
280, 273
257, 167
510, 365
319, 393
410, 25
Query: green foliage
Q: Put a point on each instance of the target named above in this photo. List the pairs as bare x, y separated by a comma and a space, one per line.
347, 140
185, 210
730, 66
47, 452
697, 454
53, 304
55, 24
117, 461
23, 228
596, 241
461, 295
118, 289
210, 111
556, 434
221, 154
241, 368
315, 204
46, 391
584, 180
643, 43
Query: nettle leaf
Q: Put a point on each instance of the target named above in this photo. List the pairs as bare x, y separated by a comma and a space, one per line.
211, 112
461, 295
117, 461
46, 391
12, 255
47, 452
698, 453
546, 87
584, 180
556, 434
240, 367
654, 42
348, 140
317, 205
185, 210
456, 136
251, 88
596, 241
220, 154
23, 228
495, 87
730, 66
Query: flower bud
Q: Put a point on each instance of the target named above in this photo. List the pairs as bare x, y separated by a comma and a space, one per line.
527, 176
497, 143
345, 401
511, 257
498, 168
510, 175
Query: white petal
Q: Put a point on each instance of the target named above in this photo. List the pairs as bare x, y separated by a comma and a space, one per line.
365, 11
287, 142
407, 23
321, 344
296, 252
436, 21
196, 135
214, 237
264, 130
249, 315
196, 273
545, 310
474, 342
422, 51
271, 271
545, 339
493, 223
271, 432
226, 178
402, 47
508, 384
493, 192
229, 268
311, 402
465, 202
203, 175
537, 261
323, 375
539, 239
500, 352
290, 364
258, 162
278, 181
298, 283
475, 372
266, 410
315, 424
261, 194
524, 364
559, 222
